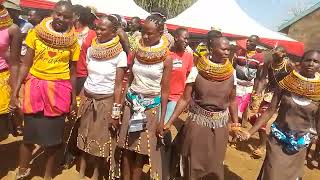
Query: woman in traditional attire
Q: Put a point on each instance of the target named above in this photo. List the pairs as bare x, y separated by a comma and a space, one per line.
10, 38
49, 68
276, 67
211, 91
148, 91
100, 110
83, 19
297, 122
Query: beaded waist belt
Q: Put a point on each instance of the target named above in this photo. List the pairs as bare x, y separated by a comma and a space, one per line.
208, 118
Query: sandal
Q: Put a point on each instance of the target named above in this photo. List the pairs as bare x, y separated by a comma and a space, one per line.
25, 174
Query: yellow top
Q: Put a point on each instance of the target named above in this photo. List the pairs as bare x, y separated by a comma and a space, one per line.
51, 63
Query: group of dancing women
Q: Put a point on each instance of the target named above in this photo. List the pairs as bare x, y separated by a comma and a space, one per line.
134, 87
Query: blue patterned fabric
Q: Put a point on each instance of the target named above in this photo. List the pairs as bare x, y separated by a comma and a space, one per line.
292, 141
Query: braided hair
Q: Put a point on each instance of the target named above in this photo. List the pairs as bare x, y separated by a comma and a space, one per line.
159, 19
113, 20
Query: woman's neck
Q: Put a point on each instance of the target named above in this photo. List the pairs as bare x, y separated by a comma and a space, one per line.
308, 76
105, 40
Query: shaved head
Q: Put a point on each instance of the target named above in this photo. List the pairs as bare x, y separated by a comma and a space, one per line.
218, 42
220, 49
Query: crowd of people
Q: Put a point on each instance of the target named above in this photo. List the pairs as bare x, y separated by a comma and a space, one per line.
126, 84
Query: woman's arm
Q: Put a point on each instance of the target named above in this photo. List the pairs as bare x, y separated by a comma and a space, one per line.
317, 120
124, 40
181, 104
266, 116
233, 107
165, 90
118, 84
23, 71
14, 56
73, 79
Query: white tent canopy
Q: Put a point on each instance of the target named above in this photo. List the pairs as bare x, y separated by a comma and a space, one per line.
230, 18
122, 7
225, 15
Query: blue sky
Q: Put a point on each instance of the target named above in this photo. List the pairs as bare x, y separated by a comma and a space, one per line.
272, 13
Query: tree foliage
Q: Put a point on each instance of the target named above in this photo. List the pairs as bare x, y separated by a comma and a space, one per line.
173, 7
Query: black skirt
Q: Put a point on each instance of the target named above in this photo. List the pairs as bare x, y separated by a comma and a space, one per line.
4, 126
44, 131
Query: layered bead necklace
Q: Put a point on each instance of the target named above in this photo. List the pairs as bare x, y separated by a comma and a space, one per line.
106, 51
152, 54
5, 19
302, 86
55, 39
213, 71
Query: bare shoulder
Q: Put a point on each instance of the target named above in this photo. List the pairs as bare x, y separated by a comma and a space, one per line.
14, 30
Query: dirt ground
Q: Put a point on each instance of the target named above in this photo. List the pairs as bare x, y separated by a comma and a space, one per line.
238, 164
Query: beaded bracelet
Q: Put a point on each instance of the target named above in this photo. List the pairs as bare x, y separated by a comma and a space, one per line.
116, 111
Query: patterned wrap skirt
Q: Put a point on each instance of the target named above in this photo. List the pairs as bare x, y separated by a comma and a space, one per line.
95, 136
143, 142
279, 165
204, 146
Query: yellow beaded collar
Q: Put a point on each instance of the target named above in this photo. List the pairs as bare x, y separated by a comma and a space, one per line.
297, 84
213, 71
153, 54
250, 54
55, 39
5, 19
106, 51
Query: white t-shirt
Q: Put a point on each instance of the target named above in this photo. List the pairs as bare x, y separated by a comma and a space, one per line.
147, 78
102, 74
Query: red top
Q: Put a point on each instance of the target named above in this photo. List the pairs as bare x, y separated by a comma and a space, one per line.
182, 64
82, 64
256, 56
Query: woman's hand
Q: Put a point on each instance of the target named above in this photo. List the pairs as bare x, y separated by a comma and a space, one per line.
160, 132
114, 124
14, 104
243, 135
73, 110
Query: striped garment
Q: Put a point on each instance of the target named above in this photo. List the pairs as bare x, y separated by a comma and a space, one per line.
51, 97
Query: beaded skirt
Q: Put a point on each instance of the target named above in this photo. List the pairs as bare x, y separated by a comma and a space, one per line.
144, 142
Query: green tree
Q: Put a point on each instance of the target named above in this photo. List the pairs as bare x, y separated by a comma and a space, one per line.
173, 7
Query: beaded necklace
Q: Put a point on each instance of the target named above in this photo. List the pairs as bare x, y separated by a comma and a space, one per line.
278, 66
5, 19
302, 86
213, 71
106, 51
152, 54
55, 39
250, 54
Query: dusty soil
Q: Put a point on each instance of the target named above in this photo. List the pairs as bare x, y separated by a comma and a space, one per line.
238, 164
